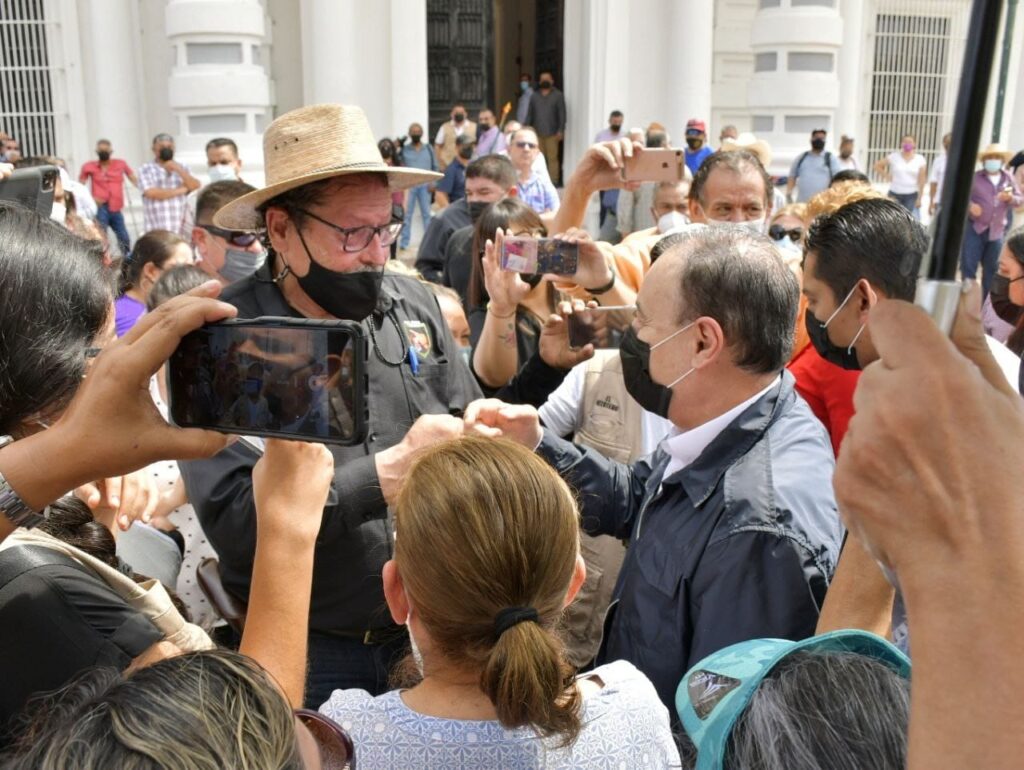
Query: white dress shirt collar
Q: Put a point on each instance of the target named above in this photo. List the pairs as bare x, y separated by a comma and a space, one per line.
686, 446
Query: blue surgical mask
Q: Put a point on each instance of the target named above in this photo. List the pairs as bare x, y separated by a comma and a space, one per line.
222, 173
993, 165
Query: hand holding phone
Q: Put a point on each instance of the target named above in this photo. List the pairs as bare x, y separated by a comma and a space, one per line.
601, 327
287, 377
655, 164
31, 187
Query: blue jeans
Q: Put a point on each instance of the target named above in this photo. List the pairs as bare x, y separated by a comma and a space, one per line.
115, 221
417, 195
978, 249
907, 201
343, 662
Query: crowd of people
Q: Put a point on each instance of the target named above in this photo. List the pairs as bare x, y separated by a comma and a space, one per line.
704, 501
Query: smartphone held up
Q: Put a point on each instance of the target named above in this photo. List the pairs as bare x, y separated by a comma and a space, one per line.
272, 377
538, 256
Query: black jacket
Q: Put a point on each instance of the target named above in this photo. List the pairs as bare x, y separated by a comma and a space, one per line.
355, 538
430, 256
740, 544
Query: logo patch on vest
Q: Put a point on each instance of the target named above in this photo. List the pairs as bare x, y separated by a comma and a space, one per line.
419, 338
607, 402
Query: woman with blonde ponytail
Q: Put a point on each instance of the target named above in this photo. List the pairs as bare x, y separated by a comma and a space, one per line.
486, 559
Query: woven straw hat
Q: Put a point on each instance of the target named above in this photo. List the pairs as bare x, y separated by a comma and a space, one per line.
996, 149
313, 143
747, 141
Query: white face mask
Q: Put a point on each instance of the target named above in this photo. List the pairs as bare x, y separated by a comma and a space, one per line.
785, 243
754, 225
222, 173
671, 221
59, 212
416, 656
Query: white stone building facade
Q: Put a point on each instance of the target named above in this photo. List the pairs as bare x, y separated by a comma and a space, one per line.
72, 71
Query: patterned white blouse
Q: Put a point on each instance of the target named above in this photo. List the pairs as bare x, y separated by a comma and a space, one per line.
624, 726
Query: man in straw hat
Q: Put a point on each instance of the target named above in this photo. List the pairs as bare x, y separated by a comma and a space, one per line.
993, 193
326, 214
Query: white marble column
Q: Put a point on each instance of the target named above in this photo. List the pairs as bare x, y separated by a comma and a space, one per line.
854, 95
690, 35
111, 80
371, 55
219, 93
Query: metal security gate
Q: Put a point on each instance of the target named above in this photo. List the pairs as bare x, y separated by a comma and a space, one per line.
26, 96
459, 57
918, 51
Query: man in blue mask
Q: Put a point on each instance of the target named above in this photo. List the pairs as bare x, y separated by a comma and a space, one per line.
732, 525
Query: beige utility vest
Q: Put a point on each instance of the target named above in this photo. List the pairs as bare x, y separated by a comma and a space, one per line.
612, 420
447, 152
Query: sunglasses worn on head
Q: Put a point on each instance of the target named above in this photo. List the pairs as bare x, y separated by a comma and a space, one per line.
336, 749
526, 145
238, 238
777, 232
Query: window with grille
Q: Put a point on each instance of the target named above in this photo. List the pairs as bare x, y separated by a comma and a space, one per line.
916, 63
26, 94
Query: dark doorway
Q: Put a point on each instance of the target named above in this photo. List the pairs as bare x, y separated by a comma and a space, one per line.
476, 50
459, 55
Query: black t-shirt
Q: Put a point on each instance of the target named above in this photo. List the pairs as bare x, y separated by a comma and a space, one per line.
458, 262
430, 257
57, 619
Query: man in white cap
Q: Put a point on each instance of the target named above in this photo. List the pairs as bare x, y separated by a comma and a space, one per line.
326, 213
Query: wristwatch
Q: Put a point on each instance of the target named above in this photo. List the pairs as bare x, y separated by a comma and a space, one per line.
16, 510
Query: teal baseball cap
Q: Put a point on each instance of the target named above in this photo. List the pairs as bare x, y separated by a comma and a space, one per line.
714, 693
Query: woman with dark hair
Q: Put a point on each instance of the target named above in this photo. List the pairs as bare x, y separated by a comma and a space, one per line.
154, 252
506, 310
71, 608
1007, 294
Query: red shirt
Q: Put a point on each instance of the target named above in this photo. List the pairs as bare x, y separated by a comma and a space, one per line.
827, 389
107, 183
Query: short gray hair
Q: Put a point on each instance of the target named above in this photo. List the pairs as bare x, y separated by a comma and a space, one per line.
839, 710
738, 278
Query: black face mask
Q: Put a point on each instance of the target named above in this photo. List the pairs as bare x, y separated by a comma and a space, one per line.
636, 372
348, 296
166, 154
476, 209
546, 84
531, 279
694, 142
459, 117
1001, 302
483, 126
615, 128
103, 154
415, 138
466, 152
831, 353
817, 144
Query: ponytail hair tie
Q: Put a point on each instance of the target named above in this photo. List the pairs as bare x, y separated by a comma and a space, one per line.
511, 616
